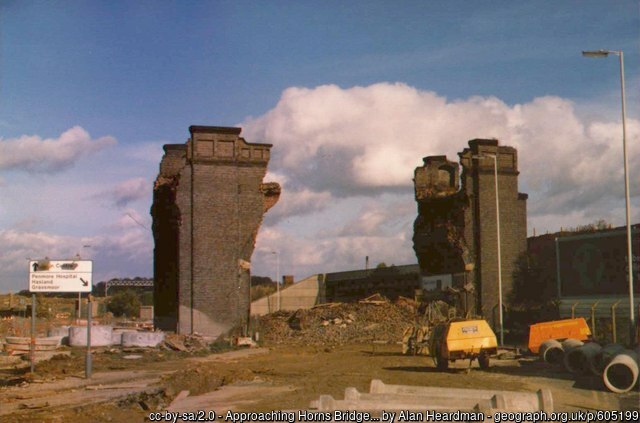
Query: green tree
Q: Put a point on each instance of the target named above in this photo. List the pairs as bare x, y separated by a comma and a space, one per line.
124, 303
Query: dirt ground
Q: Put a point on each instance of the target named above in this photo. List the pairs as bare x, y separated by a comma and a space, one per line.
263, 379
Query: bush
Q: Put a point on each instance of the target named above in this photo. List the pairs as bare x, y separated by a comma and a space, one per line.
146, 298
124, 303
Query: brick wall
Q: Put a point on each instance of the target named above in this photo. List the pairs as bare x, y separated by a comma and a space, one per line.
225, 207
469, 214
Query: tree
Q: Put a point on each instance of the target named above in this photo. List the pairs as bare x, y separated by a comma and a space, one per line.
124, 303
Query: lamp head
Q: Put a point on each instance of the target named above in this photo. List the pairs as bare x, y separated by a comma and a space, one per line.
595, 53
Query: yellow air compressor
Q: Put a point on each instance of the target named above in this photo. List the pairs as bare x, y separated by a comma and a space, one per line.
463, 339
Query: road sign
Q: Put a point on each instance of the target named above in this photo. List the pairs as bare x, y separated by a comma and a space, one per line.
60, 275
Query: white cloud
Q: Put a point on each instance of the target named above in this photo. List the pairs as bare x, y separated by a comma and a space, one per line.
303, 256
332, 144
368, 140
345, 159
38, 155
128, 191
119, 253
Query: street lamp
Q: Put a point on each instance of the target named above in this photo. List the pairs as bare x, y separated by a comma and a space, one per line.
495, 177
277, 277
620, 54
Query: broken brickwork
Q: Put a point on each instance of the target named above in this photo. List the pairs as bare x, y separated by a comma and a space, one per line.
455, 231
209, 200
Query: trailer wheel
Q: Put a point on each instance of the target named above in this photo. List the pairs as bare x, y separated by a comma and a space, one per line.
441, 362
484, 361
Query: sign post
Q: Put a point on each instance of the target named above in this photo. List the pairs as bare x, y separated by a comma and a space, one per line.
87, 366
60, 276
32, 347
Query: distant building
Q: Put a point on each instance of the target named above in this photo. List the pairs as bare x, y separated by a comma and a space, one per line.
592, 270
390, 282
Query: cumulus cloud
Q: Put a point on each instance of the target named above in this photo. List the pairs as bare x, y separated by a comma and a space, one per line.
368, 140
304, 256
37, 155
381, 218
120, 253
128, 191
346, 157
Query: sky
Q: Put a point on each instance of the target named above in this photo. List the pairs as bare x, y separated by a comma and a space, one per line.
351, 94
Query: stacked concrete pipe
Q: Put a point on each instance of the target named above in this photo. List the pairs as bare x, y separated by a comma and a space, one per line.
578, 360
621, 374
567, 346
551, 351
604, 357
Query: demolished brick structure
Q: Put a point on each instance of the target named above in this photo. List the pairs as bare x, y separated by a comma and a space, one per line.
455, 231
208, 203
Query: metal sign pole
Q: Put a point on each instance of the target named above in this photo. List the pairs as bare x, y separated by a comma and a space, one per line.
32, 348
88, 359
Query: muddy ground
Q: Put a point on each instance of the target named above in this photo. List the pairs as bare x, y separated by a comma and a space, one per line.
262, 379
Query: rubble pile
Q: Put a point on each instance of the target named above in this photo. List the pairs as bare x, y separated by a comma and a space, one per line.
339, 323
185, 343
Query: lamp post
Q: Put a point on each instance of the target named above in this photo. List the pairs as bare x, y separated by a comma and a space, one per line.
620, 54
277, 277
495, 177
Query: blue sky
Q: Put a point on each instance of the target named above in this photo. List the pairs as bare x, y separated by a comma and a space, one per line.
90, 90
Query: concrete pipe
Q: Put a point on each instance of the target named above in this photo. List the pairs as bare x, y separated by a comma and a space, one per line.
551, 351
542, 400
621, 374
116, 335
100, 336
577, 360
62, 331
604, 357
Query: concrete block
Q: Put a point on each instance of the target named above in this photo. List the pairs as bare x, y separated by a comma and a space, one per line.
542, 400
100, 336
142, 339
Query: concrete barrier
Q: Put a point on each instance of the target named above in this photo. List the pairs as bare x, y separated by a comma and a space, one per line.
328, 403
577, 360
62, 331
142, 339
551, 351
621, 374
374, 401
100, 336
542, 400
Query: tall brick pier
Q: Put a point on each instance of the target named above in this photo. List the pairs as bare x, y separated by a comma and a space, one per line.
209, 200
455, 231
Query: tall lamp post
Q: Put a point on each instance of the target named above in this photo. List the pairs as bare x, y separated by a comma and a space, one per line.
620, 54
277, 277
495, 177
